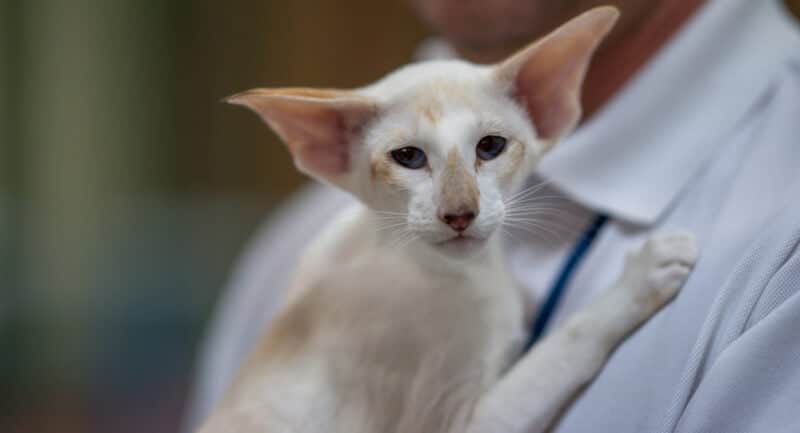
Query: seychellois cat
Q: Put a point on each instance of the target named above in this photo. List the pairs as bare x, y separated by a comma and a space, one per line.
402, 317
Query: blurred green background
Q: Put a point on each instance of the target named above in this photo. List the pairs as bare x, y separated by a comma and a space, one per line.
127, 189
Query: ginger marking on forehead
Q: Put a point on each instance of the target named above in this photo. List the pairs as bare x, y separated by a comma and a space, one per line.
430, 114
452, 89
430, 107
439, 92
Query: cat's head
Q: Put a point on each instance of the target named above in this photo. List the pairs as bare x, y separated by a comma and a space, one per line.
437, 148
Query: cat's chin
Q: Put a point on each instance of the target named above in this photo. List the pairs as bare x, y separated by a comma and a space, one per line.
461, 246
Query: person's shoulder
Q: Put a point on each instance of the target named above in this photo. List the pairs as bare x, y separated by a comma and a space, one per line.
767, 274
778, 252
294, 222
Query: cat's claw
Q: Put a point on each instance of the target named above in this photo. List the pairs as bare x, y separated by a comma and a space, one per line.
660, 268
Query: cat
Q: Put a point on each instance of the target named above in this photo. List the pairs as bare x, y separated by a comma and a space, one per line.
402, 317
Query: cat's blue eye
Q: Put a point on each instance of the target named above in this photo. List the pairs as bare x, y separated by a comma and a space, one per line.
490, 147
410, 157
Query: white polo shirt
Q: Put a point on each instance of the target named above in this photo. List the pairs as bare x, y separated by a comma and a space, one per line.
706, 138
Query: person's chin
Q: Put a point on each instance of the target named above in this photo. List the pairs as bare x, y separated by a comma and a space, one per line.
461, 246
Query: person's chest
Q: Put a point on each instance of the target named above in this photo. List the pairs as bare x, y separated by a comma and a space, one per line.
727, 206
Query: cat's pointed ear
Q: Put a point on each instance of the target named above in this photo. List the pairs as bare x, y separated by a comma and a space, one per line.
546, 76
319, 127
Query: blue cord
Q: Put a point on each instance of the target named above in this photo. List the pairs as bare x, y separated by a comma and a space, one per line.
556, 291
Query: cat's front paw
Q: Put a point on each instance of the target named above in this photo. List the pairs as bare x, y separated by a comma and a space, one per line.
658, 270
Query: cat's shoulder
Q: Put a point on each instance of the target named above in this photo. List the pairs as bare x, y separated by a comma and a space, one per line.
343, 235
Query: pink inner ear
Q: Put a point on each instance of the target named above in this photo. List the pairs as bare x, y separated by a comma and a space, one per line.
547, 75
554, 106
317, 126
318, 140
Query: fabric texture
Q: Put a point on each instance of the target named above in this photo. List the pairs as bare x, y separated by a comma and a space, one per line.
705, 139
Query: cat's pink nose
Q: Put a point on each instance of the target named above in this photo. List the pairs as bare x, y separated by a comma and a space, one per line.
458, 221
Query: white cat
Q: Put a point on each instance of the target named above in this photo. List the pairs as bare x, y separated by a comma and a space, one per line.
402, 317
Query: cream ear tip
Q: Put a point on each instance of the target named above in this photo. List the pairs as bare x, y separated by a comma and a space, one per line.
611, 11
244, 98
601, 18
235, 99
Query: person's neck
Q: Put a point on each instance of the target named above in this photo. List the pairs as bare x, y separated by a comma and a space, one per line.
618, 60
633, 42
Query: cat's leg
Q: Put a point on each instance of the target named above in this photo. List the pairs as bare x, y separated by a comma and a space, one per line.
534, 392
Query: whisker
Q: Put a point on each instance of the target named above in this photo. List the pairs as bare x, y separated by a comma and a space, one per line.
546, 216
391, 218
400, 239
566, 221
535, 208
538, 233
495, 212
542, 217
523, 192
534, 194
554, 227
538, 210
550, 226
386, 212
408, 241
536, 203
391, 215
538, 199
530, 190
390, 227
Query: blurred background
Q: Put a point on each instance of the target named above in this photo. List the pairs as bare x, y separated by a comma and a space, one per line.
127, 190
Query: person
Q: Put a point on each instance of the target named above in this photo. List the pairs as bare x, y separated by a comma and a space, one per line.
691, 121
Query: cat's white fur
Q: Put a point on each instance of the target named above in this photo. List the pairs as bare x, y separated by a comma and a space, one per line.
463, 100
396, 322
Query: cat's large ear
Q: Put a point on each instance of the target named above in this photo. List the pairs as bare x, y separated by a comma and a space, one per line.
546, 76
319, 126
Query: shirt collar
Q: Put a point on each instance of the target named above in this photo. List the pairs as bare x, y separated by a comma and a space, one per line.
633, 158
